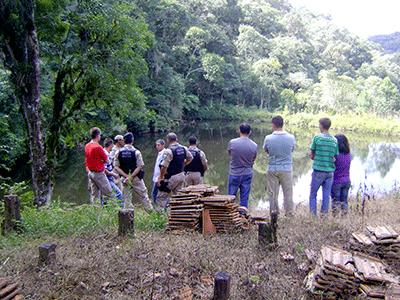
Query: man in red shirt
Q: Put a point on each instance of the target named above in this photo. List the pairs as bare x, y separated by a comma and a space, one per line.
95, 158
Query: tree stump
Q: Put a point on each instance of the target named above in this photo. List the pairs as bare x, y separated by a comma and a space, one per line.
267, 232
126, 225
12, 215
222, 286
47, 254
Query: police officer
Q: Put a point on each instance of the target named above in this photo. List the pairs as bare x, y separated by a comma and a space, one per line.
172, 176
195, 170
128, 162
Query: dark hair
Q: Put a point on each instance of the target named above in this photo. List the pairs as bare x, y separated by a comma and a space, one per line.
245, 128
325, 123
343, 142
277, 121
192, 140
108, 142
160, 141
128, 138
172, 137
95, 132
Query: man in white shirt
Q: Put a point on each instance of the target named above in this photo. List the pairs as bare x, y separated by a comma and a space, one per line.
160, 145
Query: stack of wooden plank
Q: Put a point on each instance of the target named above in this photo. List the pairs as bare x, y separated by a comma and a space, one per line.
393, 292
223, 212
202, 189
334, 274
185, 212
9, 290
339, 273
373, 276
380, 241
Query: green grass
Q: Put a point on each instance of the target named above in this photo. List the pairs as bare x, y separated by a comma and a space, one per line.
63, 219
365, 123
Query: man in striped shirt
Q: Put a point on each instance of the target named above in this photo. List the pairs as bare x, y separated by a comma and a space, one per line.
323, 150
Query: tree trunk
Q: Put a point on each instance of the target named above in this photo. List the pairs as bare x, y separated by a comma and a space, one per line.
261, 99
20, 46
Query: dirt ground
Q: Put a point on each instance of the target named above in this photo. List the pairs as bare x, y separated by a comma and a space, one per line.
160, 265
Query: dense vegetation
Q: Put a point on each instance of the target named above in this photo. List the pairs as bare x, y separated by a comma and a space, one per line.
147, 64
389, 42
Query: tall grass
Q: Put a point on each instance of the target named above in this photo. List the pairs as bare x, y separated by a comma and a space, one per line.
63, 219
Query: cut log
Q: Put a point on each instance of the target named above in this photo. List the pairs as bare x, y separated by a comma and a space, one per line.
12, 215
266, 234
222, 286
126, 225
47, 254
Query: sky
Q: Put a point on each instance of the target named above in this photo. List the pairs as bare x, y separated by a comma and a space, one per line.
363, 17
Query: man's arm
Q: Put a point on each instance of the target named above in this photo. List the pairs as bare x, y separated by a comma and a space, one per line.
121, 172
312, 149
167, 158
204, 161
265, 146
104, 156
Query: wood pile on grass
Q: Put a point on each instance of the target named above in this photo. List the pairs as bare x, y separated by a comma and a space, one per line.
194, 203
9, 290
341, 274
380, 241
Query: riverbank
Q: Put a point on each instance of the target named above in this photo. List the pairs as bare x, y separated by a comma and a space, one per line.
92, 262
361, 123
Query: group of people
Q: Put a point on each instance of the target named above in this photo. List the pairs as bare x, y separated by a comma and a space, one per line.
116, 170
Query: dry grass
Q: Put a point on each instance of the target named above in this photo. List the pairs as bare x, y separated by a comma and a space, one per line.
157, 265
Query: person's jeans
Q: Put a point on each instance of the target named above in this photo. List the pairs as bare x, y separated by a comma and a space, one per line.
154, 192
117, 191
340, 195
325, 180
243, 183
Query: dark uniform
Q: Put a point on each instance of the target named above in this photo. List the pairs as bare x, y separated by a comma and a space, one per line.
174, 160
128, 158
195, 170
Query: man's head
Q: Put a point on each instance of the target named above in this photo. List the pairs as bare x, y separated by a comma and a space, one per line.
119, 140
172, 138
95, 134
108, 144
244, 129
128, 138
192, 141
277, 123
160, 144
324, 124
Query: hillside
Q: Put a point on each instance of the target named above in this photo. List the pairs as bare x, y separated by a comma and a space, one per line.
389, 42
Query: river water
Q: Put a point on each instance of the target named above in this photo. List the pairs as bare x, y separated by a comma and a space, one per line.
375, 165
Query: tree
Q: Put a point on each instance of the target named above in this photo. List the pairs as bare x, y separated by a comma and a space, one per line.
94, 55
20, 50
269, 73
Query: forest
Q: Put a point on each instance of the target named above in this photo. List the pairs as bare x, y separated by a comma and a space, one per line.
146, 65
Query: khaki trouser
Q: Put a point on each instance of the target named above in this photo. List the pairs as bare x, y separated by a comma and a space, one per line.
175, 183
99, 186
193, 178
136, 187
274, 181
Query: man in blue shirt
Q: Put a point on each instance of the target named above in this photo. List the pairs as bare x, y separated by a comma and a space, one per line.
279, 146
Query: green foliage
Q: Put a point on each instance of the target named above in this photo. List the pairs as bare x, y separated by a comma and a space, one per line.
60, 220
364, 123
140, 64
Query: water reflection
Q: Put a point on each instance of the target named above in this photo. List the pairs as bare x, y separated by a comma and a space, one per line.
375, 162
